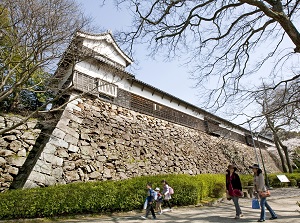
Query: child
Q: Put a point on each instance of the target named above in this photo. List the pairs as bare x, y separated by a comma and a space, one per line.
150, 200
166, 193
159, 200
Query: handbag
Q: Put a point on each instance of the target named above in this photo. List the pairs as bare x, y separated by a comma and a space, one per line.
234, 192
237, 193
266, 193
255, 204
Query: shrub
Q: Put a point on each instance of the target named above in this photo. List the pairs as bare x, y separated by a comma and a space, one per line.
293, 182
218, 190
102, 197
112, 196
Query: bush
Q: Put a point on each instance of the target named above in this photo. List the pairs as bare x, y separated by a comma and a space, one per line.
104, 196
219, 189
113, 196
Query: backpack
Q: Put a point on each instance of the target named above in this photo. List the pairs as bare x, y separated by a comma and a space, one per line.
154, 194
171, 190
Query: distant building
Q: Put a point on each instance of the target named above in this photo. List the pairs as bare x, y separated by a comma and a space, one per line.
99, 70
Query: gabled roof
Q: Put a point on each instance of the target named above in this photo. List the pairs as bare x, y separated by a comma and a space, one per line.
108, 39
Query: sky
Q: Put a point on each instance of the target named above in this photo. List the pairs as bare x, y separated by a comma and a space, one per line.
170, 77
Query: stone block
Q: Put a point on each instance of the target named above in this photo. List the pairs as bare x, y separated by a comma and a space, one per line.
72, 176
57, 173
71, 139
29, 135
69, 165
62, 153
16, 161
7, 177
70, 116
64, 120
31, 124
3, 143
2, 161
22, 152
95, 175
58, 133
57, 161
73, 149
41, 178
49, 148
5, 153
58, 142
30, 184
86, 150
68, 130
72, 106
13, 170
15, 145
107, 173
101, 158
43, 167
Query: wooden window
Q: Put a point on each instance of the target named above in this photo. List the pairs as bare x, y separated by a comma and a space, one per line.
107, 88
93, 85
85, 83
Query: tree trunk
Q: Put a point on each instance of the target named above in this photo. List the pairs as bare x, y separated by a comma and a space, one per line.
284, 169
287, 156
276, 141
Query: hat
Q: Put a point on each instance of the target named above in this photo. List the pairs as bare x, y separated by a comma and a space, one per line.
157, 189
231, 167
254, 166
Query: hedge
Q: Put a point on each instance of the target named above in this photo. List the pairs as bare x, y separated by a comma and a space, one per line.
113, 196
104, 196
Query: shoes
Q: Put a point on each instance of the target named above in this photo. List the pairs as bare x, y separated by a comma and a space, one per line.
143, 217
272, 218
237, 217
160, 212
241, 215
260, 220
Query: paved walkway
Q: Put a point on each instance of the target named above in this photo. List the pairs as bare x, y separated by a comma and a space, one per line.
283, 201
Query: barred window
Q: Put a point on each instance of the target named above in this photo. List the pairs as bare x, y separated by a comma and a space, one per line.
85, 83
93, 85
107, 88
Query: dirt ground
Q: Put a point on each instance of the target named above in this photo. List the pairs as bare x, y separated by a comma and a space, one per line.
283, 201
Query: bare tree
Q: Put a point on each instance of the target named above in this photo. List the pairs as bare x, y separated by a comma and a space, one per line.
281, 110
34, 35
220, 37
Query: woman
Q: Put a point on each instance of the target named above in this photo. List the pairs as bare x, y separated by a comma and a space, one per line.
234, 189
259, 186
166, 193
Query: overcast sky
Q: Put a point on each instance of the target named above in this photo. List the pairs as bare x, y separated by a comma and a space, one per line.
170, 77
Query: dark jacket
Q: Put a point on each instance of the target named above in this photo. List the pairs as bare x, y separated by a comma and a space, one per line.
236, 182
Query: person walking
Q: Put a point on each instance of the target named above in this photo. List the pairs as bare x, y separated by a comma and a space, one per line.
159, 200
234, 189
259, 186
150, 200
166, 193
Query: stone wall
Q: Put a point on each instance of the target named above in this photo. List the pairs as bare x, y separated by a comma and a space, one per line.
15, 145
95, 140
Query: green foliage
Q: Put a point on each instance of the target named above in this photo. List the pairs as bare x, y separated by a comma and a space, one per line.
219, 189
20, 74
105, 196
113, 196
293, 182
